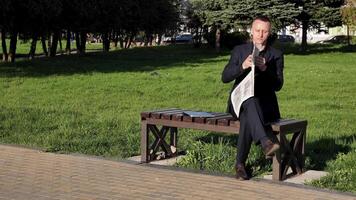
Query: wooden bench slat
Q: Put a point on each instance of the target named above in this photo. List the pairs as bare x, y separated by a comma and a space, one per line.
147, 114
225, 121
177, 117
290, 126
199, 120
234, 123
158, 115
214, 119
186, 118
202, 120
169, 115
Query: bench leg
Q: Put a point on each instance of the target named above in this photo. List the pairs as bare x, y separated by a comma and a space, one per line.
144, 141
276, 163
173, 140
148, 151
298, 145
291, 154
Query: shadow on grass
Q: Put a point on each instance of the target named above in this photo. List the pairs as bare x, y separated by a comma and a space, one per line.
289, 48
320, 151
125, 60
138, 59
317, 153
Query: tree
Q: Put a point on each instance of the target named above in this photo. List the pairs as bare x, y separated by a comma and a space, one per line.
43, 19
194, 14
313, 13
222, 15
280, 12
348, 12
4, 9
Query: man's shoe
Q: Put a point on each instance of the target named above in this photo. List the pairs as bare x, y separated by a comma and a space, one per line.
269, 148
241, 172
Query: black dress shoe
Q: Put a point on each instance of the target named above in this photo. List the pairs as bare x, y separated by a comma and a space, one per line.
241, 172
269, 148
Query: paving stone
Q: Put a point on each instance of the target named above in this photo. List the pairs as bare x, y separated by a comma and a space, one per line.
165, 162
32, 174
303, 178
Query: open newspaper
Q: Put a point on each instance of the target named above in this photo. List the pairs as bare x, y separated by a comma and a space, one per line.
246, 88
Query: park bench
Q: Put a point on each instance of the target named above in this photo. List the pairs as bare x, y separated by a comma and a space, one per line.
290, 133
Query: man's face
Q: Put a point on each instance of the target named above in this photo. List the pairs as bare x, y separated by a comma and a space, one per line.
260, 32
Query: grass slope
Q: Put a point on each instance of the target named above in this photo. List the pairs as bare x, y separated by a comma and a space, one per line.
91, 104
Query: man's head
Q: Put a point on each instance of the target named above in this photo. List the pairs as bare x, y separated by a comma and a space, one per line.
261, 29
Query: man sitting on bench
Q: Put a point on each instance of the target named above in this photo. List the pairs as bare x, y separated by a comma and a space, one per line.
256, 112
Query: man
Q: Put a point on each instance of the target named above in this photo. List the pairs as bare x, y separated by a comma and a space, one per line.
256, 112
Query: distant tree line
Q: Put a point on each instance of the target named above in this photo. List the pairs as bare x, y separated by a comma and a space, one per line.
120, 21
51, 21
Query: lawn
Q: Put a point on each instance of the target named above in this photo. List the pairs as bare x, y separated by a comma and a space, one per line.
91, 104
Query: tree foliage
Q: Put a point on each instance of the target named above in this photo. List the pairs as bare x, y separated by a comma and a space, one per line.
315, 13
348, 13
237, 14
227, 15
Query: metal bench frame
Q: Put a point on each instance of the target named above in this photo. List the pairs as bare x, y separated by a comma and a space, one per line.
162, 122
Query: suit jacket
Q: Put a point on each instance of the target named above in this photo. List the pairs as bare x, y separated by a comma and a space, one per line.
266, 82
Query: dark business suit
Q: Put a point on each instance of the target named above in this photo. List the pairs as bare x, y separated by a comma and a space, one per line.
258, 111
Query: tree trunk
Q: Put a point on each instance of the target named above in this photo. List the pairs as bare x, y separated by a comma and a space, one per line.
127, 39
159, 39
83, 40
68, 42
348, 35
77, 41
60, 42
53, 50
49, 43
150, 40
116, 40
145, 44
130, 40
106, 42
32, 53
305, 25
44, 46
197, 38
217, 39
3, 44
13, 43
121, 41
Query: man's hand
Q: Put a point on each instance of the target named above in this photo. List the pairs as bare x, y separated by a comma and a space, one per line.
247, 63
260, 62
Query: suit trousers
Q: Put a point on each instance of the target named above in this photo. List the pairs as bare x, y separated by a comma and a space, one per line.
251, 128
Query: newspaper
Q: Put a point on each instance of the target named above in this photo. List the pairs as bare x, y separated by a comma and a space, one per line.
246, 88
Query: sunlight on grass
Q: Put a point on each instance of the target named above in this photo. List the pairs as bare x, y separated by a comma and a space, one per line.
91, 104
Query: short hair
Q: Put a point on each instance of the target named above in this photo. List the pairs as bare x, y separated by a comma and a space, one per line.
262, 18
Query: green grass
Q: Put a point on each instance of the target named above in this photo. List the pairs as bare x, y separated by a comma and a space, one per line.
91, 104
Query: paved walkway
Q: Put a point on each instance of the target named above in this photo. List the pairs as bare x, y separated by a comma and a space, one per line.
32, 174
